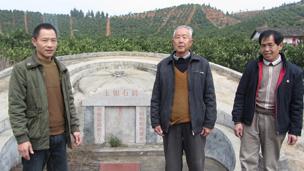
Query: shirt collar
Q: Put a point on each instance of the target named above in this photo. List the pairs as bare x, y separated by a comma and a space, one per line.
276, 62
185, 57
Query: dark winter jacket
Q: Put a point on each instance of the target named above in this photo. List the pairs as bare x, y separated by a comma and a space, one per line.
288, 102
28, 104
202, 102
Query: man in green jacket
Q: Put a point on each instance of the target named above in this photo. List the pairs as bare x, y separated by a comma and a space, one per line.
41, 105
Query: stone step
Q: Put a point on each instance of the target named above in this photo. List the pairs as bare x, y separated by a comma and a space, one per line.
139, 150
119, 166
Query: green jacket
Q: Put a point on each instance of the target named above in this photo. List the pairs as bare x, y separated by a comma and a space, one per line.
28, 105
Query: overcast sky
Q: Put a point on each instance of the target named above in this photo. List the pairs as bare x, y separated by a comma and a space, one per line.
120, 7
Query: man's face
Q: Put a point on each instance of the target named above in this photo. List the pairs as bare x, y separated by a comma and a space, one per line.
45, 43
182, 41
269, 49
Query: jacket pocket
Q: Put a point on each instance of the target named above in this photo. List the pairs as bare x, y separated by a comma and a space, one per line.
198, 74
33, 124
197, 84
198, 77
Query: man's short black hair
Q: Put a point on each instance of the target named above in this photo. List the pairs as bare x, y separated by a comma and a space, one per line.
47, 26
278, 37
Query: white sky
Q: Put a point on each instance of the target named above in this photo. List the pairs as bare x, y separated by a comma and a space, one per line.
120, 7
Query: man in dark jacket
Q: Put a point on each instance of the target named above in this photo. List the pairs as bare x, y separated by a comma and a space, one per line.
268, 104
41, 105
183, 104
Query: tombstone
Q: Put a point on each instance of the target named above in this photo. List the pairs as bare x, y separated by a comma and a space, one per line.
120, 112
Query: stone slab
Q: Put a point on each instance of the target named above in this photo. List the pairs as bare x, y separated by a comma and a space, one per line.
117, 101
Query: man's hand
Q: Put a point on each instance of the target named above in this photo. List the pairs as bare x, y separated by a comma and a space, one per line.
77, 138
158, 130
292, 139
25, 149
206, 131
238, 130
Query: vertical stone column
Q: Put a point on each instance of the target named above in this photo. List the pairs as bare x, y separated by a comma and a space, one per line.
88, 129
140, 125
99, 124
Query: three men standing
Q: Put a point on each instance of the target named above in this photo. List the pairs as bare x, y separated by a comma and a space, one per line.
268, 104
183, 104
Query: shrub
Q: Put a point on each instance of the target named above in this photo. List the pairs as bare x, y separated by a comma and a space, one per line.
114, 141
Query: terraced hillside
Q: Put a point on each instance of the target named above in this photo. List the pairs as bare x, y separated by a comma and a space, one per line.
160, 22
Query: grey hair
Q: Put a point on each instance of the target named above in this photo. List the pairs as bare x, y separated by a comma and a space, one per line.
186, 27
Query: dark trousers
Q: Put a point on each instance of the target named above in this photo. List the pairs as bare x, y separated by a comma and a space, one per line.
55, 157
178, 139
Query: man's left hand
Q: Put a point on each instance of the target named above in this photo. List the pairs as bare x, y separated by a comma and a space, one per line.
77, 138
206, 131
292, 139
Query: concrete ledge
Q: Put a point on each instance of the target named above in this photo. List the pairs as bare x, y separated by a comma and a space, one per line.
115, 53
6, 72
119, 167
9, 156
226, 71
4, 125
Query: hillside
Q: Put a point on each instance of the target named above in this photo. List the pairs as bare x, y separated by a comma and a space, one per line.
287, 15
245, 15
206, 21
162, 21
218, 18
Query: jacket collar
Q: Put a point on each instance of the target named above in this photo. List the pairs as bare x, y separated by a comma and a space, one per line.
32, 62
193, 57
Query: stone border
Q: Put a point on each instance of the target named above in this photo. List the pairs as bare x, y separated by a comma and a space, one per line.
6, 72
114, 53
219, 148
